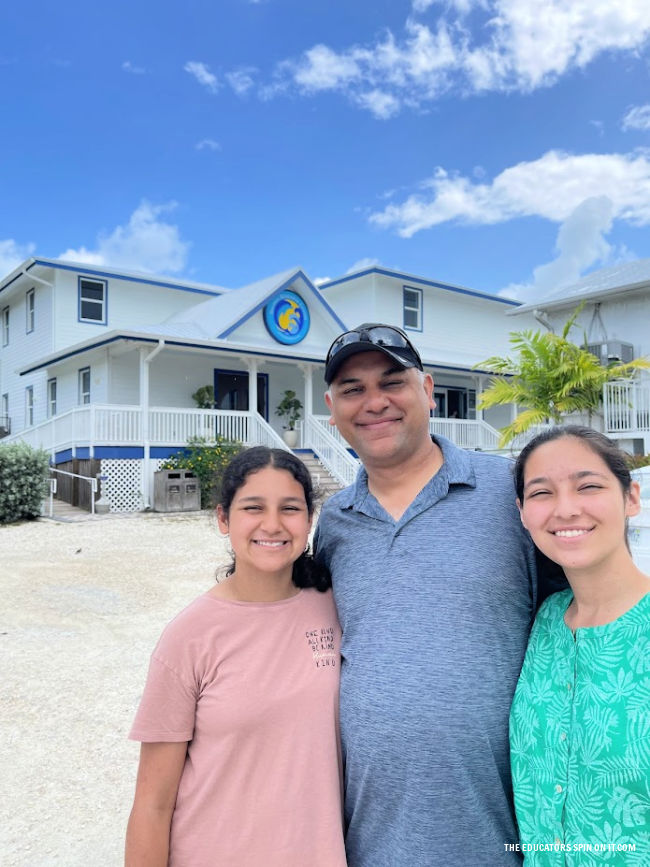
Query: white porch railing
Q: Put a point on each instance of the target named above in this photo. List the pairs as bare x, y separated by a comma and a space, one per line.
466, 433
100, 424
323, 421
627, 406
261, 433
53, 487
330, 451
177, 426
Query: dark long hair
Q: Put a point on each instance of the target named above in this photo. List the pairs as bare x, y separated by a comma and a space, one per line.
599, 444
306, 571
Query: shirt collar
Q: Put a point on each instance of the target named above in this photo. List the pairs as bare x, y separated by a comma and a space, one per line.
457, 466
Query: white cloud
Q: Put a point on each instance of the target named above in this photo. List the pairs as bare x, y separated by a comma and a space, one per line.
580, 244
514, 46
324, 69
363, 264
208, 144
318, 281
638, 117
383, 105
12, 254
146, 243
550, 187
241, 80
422, 5
201, 72
127, 66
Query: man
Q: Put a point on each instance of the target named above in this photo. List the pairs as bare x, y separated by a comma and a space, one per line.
435, 583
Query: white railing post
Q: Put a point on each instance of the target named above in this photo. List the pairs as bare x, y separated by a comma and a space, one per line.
331, 453
91, 432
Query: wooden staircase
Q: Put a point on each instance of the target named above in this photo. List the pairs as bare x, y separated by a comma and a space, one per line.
324, 484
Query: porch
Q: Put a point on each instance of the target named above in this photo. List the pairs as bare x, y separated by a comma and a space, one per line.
131, 441
626, 406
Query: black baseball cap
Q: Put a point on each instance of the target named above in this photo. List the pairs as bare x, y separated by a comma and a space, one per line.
371, 337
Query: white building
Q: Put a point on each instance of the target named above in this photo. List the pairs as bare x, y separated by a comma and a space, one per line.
614, 322
103, 364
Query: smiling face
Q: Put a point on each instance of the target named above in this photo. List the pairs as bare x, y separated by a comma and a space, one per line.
380, 409
574, 506
268, 523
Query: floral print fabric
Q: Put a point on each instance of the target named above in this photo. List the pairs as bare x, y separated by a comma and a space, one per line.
580, 741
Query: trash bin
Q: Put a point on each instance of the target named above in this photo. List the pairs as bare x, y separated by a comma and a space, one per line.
176, 491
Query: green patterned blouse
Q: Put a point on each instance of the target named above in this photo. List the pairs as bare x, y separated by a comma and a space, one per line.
580, 741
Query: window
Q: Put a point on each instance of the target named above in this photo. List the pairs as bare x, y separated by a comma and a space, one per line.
84, 385
51, 397
412, 301
92, 300
4, 412
29, 310
5, 326
29, 406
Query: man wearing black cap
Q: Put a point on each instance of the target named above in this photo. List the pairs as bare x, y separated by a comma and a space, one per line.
435, 583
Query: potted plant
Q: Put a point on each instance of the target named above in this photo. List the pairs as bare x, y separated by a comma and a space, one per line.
289, 408
203, 397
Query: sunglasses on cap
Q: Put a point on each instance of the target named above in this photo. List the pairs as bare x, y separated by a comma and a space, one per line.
389, 339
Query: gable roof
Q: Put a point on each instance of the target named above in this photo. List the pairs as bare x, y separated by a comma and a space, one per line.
218, 317
422, 281
25, 268
604, 283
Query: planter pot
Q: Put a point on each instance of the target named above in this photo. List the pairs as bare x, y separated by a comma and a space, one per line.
291, 438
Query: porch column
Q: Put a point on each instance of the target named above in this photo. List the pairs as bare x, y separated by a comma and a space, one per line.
252, 365
479, 388
144, 425
145, 361
309, 388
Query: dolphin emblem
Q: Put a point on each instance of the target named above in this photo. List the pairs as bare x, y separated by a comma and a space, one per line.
289, 319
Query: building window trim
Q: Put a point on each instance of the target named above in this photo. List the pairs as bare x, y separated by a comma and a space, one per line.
88, 304
51, 397
30, 307
84, 389
5, 326
29, 406
409, 309
4, 412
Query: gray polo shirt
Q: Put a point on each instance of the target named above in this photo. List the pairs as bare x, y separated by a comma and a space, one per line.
436, 610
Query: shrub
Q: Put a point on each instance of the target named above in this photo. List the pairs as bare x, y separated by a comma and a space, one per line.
24, 474
635, 462
207, 460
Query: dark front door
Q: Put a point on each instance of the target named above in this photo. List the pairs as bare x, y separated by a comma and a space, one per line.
231, 390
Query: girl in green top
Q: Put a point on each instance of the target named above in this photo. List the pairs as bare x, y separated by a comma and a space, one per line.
580, 719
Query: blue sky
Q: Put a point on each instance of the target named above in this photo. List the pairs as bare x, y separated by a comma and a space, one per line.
498, 144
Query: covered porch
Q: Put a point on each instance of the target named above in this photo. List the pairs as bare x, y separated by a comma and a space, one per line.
626, 409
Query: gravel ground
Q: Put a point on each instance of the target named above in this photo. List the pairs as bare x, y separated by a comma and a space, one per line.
83, 605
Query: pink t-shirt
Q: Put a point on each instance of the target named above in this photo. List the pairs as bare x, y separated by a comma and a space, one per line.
254, 688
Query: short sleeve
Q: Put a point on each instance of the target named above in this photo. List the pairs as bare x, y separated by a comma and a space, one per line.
167, 709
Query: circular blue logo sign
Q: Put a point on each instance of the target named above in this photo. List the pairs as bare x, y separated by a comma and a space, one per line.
287, 317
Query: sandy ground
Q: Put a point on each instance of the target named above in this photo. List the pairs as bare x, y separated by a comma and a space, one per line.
82, 607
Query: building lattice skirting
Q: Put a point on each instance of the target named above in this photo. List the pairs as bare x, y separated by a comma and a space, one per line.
123, 485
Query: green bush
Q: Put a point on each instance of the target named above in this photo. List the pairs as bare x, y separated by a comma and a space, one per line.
24, 474
635, 462
207, 460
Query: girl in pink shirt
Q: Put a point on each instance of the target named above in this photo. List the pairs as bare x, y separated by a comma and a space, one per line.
240, 761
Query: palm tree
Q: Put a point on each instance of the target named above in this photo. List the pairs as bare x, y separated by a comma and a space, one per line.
550, 376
